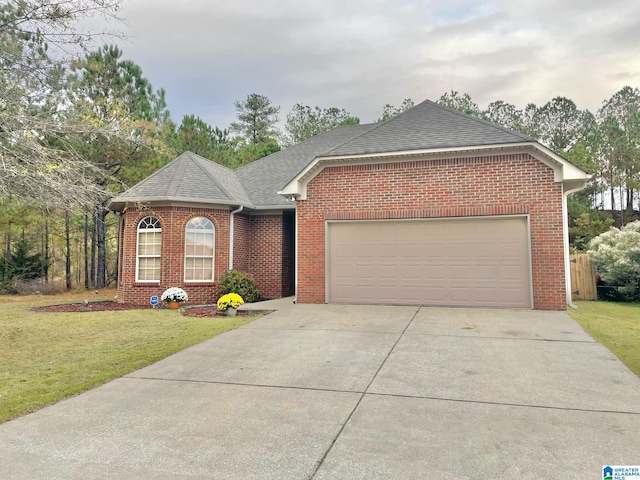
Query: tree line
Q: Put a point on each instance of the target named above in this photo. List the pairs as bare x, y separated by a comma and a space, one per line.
75, 130
606, 144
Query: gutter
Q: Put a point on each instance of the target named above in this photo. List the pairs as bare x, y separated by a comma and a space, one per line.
231, 225
565, 228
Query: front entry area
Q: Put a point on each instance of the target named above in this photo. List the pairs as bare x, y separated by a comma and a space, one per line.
478, 261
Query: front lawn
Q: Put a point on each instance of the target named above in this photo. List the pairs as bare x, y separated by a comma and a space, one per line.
46, 357
615, 325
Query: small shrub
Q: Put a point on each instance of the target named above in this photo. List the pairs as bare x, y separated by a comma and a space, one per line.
610, 293
36, 287
616, 257
7, 287
242, 283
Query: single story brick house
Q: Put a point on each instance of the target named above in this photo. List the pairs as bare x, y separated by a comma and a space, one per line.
432, 207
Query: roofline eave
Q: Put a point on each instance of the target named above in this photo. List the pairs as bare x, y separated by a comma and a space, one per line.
291, 206
119, 205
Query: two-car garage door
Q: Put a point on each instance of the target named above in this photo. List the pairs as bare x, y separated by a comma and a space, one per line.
482, 261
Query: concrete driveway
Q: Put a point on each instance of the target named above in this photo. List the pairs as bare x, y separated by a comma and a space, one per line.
351, 392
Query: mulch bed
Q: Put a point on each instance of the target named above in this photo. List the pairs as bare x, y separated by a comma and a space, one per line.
213, 312
109, 305
106, 305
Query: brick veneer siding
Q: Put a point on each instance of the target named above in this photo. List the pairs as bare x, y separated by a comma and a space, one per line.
263, 244
173, 221
492, 185
242, 239
260, 244
266, 254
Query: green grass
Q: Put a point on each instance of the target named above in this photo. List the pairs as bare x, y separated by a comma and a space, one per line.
615, 325
46, 357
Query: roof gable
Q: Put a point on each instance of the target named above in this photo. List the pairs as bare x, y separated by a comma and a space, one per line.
432, 130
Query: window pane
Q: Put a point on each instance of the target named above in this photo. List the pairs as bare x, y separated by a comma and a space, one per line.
207, 267
149, 249
149, 269
190, 248
200, 223
189, 269
197, 240
199, 250
197, 274
198, 269
149, 222
149, 243
204, 244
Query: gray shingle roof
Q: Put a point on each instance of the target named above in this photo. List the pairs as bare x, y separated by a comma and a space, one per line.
428, 125
189, 177
265, 177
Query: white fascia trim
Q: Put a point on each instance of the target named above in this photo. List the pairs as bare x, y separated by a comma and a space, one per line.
567, 170
172, 202
274, 208
563, 170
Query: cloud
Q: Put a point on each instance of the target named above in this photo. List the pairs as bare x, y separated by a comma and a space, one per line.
360, 54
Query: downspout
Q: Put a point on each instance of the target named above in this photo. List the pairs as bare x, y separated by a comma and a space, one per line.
231, 223
295, 255
119, 261
565, 229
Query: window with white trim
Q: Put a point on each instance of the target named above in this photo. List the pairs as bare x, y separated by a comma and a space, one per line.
148, 250
199, 250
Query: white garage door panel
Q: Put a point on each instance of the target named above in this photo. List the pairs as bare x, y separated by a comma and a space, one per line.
464, 262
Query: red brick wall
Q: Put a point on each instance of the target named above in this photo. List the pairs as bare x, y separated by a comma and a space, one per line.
495, 185
173, 221
259, 243
266, 254
242, 238
264, 246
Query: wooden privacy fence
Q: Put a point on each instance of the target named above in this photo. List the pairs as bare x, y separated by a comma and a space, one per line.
583, 278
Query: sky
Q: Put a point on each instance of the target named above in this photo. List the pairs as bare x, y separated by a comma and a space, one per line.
360, 55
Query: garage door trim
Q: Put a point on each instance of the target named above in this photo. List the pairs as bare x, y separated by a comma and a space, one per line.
526, 217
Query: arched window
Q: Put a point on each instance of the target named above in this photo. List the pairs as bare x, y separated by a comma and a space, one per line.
199, 250
149, 246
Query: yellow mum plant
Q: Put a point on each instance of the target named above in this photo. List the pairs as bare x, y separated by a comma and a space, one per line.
232, 300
